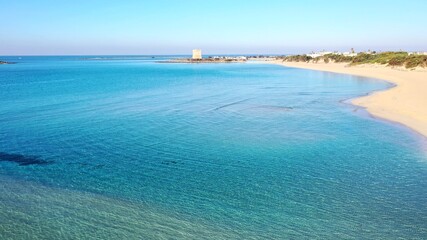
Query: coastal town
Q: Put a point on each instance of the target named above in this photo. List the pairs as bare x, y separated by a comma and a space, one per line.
352, 53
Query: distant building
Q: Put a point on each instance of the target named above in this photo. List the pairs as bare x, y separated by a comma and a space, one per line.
349, 54
417, 53
197, 54
318, 54
323, 53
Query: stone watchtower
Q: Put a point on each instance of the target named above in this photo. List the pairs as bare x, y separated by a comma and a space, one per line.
197, 54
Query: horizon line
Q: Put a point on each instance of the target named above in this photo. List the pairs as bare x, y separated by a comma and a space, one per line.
189, 54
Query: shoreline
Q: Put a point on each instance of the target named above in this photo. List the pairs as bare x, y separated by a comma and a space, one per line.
405, 102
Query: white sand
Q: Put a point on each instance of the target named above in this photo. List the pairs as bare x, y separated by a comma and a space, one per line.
406, 103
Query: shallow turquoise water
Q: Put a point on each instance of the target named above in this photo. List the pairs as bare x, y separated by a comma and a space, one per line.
127, 147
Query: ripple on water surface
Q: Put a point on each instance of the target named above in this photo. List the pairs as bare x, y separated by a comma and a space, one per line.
124, 149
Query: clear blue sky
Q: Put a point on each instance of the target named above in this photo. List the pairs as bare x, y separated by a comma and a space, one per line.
218, 26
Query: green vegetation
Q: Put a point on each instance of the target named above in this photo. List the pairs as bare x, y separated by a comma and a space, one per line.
297, 58
389, 58
398, 60
416, 60
337, 58
380, 58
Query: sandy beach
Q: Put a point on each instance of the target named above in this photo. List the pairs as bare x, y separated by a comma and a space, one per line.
406, 103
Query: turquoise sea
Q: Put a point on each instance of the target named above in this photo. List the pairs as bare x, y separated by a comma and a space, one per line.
128, 148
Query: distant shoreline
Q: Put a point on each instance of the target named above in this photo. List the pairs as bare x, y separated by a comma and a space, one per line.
204, 60
405, 103
196, 62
